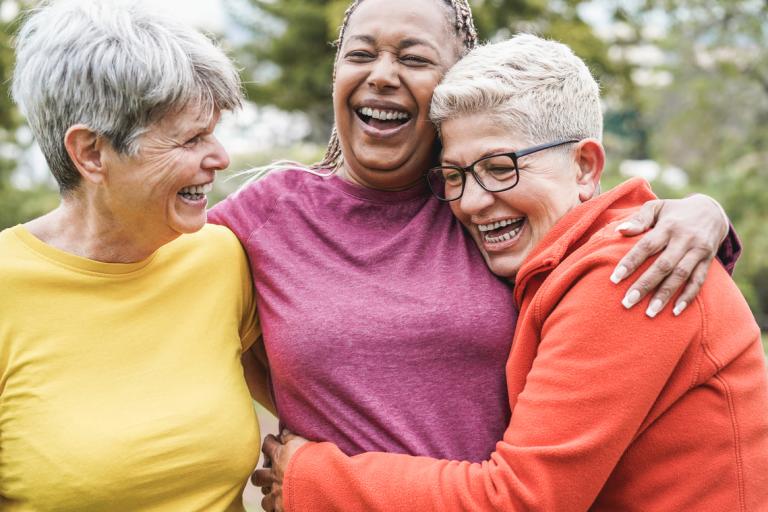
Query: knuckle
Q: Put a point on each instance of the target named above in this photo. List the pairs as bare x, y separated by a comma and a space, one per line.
629, 261
647, 245
642, 286
681, 273
664, 265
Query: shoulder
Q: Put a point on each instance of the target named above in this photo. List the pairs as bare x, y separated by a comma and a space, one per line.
271, 186
211, 240
11, 252
250, 207
14, 250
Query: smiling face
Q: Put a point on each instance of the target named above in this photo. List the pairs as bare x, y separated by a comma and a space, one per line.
393, 55
161, 192
507, 225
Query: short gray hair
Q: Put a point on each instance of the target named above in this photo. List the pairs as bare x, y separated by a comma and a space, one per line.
536, 87
116, 67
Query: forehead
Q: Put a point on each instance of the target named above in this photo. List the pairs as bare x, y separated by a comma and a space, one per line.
401, 19
190, 119
469, 137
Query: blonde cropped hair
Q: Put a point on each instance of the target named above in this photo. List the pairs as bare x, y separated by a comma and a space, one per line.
533, 86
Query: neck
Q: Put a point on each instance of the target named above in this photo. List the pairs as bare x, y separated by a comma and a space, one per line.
77, 228
396, 186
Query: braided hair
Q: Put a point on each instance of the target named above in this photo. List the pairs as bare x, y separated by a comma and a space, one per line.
463, 25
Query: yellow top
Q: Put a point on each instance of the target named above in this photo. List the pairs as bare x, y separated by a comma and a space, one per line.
121, 386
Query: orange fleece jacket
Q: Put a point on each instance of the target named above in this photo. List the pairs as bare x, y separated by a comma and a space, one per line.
611, 410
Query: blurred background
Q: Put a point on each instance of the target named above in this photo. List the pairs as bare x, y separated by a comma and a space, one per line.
684, 84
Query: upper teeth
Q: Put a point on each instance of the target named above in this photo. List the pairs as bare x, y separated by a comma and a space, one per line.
496, 225
197, 189
383, 115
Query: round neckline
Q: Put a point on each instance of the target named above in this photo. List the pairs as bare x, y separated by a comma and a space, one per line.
418, 190
75, 262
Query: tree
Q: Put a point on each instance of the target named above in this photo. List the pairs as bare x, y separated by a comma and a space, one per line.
711, 118
289, 56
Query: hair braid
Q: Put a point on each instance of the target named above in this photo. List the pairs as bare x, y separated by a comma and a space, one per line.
464, 26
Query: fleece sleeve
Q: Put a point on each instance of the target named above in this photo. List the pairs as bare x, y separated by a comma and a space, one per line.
596, 375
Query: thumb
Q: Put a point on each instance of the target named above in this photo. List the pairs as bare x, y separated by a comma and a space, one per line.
642, 220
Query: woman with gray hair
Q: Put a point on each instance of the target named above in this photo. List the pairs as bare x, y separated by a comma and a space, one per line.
122, 315
610, 410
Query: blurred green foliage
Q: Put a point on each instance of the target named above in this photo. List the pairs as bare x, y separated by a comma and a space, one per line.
712, 117
685, 83
16, 205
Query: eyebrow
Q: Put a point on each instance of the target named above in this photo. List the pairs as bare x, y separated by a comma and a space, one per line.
492, 152
199, 125
405, 43
414, 41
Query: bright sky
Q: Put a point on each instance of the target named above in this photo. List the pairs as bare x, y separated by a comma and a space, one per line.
207, 14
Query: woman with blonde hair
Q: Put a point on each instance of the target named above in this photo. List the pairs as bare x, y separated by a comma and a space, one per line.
610, 409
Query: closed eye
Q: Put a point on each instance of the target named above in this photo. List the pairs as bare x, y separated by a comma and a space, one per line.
193, 141
415, 60
359, 56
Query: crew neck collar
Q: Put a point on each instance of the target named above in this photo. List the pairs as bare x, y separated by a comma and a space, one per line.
418, 190
73, 261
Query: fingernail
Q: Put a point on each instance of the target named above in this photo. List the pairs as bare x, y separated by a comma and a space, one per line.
679, 307
618, 274
653, 308
631, 299
624, 225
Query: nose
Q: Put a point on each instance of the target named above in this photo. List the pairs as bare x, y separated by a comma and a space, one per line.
217, 158
475, 198
384, 73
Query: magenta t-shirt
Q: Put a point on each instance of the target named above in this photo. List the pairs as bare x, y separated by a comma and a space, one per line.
385, 330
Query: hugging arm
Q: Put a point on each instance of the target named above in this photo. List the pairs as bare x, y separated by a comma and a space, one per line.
689, 233
256, 372
560, 446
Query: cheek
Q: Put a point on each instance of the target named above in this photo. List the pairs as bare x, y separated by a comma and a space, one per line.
424, 90
345, 84
171, 171
456, 210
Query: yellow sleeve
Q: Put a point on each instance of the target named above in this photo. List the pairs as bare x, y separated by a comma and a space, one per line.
250, 330
254, 357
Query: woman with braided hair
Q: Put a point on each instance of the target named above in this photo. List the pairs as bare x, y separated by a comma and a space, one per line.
383, 328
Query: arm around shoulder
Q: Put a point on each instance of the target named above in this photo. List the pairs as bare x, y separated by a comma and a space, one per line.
560, 446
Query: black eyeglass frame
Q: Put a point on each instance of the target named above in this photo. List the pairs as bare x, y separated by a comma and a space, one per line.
470, 169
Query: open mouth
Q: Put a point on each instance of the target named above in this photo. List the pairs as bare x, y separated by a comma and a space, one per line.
383, 119
195, 192
501, 231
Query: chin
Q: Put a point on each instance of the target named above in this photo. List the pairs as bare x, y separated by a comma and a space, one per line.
189, 225
505, 266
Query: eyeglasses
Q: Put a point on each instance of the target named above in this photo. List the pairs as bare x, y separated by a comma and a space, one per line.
495, 173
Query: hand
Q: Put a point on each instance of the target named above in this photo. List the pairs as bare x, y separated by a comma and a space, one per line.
277, 453
689, 231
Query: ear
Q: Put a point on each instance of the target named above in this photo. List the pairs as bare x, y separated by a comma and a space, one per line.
590, 157
85, 149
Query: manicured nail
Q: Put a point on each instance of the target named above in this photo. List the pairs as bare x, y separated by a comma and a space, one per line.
625, 225
618, 274
631, 299
653, 308
679, 307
